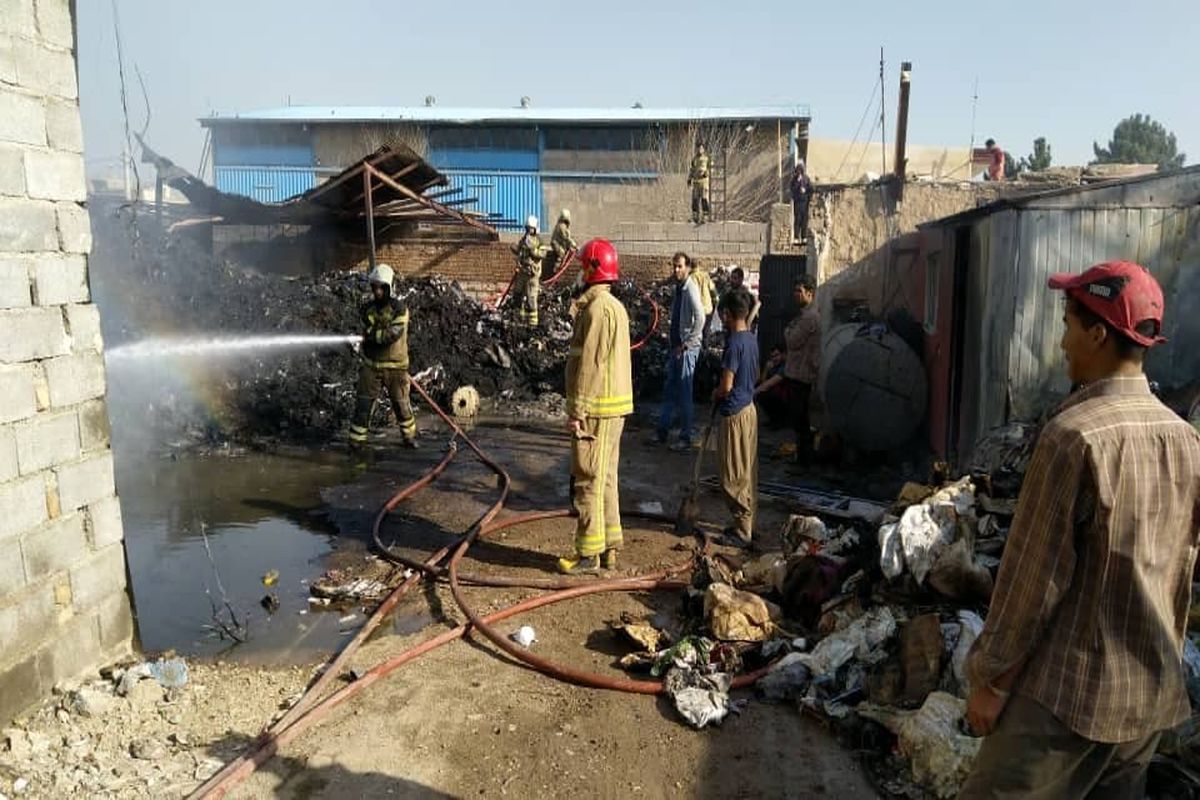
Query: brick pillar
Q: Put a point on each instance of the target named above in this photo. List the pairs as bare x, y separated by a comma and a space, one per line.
64, 609
780, 228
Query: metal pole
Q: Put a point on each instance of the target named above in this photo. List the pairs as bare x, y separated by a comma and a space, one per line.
370, 204
779, 156
902, 127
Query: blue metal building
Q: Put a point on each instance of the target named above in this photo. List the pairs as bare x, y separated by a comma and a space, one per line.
511, 160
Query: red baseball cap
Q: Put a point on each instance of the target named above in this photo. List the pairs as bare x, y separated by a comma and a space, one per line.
1121, 293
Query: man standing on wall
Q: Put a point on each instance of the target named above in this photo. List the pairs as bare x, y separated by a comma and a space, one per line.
530, 252
385, 323
996, 167
687, 330
1078, 669
599, 397
801, 189
802, 337
698, 180
561, 243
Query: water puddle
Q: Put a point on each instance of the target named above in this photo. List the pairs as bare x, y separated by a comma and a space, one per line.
261, 514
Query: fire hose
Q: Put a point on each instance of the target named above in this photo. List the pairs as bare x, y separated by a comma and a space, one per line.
308, 710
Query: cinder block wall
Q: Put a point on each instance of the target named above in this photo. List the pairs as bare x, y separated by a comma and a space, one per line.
63, 605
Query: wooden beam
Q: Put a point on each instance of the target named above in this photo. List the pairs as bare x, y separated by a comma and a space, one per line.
370, 212
433, 204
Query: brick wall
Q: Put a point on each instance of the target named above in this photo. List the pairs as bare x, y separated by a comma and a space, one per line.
63, 605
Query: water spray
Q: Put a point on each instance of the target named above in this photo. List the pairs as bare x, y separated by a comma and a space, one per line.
210, 346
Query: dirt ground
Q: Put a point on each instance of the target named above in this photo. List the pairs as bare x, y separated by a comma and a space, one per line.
466, 721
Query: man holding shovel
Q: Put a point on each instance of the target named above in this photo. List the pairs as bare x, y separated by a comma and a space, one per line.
737, 438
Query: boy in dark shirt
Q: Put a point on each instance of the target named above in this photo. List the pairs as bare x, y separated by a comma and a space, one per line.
737, 438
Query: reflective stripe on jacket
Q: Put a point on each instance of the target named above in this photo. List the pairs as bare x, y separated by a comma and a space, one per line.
385, 334
599, 368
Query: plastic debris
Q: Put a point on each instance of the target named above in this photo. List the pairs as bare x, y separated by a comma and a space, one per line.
925, 530
971, 625
861, 640
362, 589
689, 651
271, 578
644, 635
650, 507
525, 636
735, 616
699, 698
787, 679
170, 673
940, 756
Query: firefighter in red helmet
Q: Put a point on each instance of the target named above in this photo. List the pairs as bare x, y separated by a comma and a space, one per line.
599, 397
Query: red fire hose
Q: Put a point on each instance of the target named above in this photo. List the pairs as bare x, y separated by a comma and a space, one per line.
308, 710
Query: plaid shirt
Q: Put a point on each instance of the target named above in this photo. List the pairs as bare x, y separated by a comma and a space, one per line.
1093, 592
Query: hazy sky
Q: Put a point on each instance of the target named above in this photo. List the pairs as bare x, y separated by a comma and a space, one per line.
1062, 69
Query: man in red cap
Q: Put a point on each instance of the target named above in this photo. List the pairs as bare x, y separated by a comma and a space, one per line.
1078, 670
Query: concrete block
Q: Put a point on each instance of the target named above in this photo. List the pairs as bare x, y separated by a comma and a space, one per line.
47, 441
75, 378
104, 523
41, 69
86, 481
12, 171
74, 651
14, 283
116, 624
54, 23
54, 547
64, 131
17, 401
74, 228
83, 326
17, 17
27, 334
100, 576
22, 506
54, 175
26, 622
25, 226
41, 388
9, 468
95, 432
12, 567
53, 505
21, 686
22, 119
8, 60
59, 279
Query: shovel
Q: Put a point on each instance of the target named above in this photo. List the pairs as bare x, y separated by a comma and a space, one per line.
689, 507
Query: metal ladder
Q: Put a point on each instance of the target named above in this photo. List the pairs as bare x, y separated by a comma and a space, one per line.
717, 173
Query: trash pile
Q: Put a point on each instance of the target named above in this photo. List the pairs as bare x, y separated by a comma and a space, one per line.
151, 284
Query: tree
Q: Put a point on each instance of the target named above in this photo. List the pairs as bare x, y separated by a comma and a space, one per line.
1140, 140
1039, 159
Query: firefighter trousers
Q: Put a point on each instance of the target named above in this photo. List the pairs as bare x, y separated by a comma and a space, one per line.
526, 291
397, 383
594, 459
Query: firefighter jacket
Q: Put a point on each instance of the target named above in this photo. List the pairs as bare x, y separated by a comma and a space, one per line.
561, 241
700, 167
599, 369
530, 251
385, 334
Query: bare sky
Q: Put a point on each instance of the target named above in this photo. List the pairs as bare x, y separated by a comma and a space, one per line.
1063, 69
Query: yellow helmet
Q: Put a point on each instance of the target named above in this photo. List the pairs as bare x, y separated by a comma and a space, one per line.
565, 215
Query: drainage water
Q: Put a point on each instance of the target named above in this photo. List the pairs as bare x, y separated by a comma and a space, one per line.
216, 346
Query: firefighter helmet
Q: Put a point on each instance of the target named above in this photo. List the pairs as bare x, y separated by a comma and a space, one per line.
531, 222
599, 261
382, 274
565, 215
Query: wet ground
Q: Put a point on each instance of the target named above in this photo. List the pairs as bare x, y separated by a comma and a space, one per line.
260, 514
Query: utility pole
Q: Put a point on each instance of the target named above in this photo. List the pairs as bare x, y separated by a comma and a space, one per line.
902, 127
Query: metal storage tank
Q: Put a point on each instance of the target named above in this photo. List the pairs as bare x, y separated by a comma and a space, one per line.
873, 385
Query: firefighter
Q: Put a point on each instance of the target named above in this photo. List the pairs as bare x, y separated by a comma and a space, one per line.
530, 253
561, 243
599, 397
385, 322
698, 180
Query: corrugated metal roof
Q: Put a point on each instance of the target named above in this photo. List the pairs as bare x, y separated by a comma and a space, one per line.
1032, 199
532, 115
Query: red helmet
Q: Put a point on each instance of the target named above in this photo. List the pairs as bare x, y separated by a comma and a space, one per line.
598, 258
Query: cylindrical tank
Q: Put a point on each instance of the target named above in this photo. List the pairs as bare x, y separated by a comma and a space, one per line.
873, 386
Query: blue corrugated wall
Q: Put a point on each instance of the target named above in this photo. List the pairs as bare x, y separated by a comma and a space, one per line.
513, 195
266, 184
